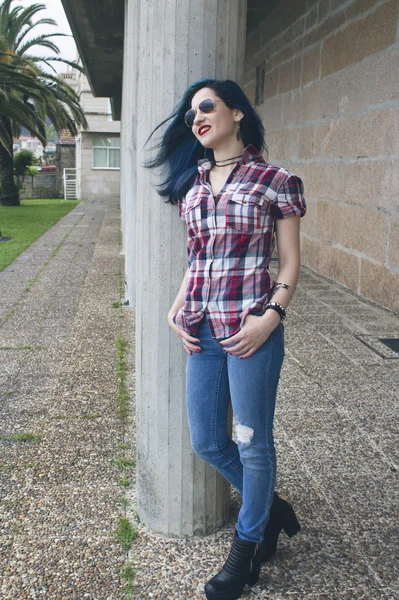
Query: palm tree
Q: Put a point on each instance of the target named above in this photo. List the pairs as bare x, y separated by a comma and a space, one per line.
24, 165
28, 92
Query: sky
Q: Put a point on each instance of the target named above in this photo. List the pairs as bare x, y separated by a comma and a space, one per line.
54, 11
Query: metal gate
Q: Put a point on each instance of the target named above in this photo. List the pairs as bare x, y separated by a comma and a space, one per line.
70, 184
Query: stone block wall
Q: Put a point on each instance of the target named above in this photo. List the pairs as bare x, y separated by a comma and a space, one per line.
42, 186
331, 111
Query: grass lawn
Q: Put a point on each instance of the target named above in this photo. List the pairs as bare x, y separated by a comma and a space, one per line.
25, 223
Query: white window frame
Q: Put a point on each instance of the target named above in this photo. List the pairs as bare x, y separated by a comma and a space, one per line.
110, 119
107, 148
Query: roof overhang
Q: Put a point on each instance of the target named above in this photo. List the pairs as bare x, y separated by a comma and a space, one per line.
257, 10
98, 29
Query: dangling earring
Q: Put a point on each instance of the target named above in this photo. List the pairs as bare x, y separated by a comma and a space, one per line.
238, 132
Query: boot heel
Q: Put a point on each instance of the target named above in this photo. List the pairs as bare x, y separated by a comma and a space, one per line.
282, 516
290, 523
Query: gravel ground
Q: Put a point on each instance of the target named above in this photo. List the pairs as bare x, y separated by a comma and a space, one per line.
59, 494
336, 435
338, 454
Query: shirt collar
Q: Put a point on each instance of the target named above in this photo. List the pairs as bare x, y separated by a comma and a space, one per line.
250, 154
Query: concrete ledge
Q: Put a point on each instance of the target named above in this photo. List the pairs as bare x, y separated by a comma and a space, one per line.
98, 31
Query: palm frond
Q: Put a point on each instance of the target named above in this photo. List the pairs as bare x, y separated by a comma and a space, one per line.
71, 63
13, 80
4, 137
25, 32
28, 92
41, 41
27, 14
24, 16
25, 116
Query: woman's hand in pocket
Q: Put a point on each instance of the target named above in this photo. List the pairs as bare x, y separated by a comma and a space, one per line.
253, 333
190, 343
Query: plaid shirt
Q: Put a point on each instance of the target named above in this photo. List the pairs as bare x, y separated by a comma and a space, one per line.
231, 240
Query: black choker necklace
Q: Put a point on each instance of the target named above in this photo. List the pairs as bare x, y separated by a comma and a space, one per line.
226, 161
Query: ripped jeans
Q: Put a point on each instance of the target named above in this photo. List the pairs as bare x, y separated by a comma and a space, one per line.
214, 378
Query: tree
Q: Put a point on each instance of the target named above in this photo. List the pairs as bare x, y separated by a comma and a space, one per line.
24, 164
28, 92
50, 133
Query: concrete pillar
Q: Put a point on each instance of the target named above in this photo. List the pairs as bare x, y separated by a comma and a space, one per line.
128, 146
180, 41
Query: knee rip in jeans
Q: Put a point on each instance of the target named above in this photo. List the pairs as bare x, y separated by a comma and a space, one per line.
241, 433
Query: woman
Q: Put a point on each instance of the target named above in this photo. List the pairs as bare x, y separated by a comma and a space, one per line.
228, 311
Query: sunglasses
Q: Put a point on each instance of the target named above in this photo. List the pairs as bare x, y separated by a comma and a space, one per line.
206, 106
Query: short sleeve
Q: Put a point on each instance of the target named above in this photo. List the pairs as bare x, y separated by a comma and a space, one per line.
289, 200
182, 208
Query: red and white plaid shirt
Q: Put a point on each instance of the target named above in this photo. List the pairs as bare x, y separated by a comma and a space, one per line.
231, 240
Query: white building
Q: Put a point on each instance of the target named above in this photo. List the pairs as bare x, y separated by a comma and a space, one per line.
29, 143
98, 148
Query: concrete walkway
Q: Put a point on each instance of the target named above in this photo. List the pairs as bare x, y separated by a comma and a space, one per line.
59, 497
336, 430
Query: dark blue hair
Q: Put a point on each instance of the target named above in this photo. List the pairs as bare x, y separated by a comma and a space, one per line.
179, 150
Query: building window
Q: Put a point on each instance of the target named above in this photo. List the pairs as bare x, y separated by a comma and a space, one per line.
260, 84
106, 152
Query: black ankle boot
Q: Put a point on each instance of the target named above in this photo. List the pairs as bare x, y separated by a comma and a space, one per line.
282, 516
242, 566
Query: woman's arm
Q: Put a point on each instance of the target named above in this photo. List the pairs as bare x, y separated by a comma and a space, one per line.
190, 343
288, 257
256, 330
179, 300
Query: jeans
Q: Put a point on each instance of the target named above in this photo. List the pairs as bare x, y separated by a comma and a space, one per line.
248, 462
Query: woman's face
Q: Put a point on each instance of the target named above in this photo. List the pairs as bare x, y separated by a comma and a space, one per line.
216, 128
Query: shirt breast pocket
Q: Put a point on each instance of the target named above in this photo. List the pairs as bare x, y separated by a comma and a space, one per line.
194, 215
244, 211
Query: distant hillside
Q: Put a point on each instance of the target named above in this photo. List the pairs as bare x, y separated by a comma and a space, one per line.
25, 131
